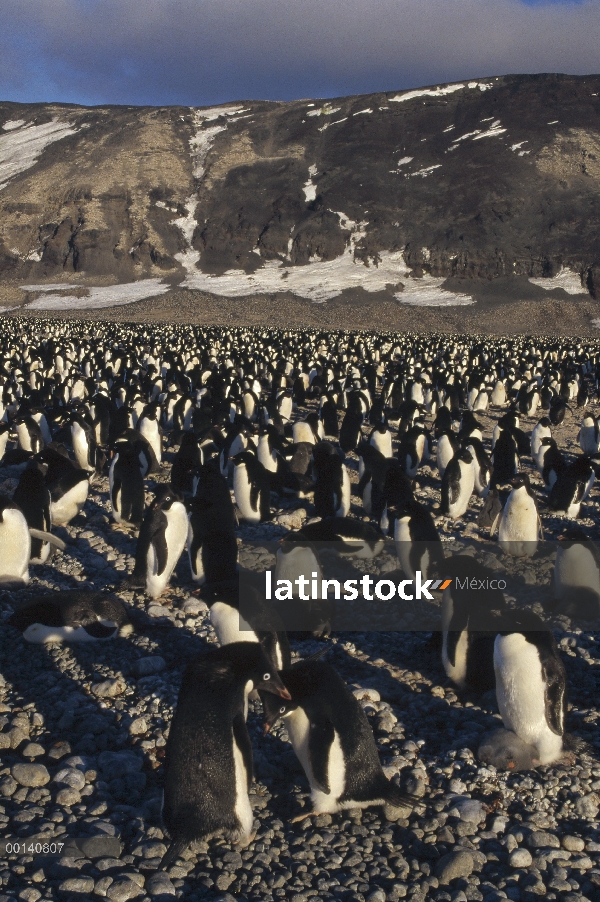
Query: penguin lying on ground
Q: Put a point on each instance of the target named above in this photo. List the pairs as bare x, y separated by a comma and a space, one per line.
74, 615
333, 740
208, 761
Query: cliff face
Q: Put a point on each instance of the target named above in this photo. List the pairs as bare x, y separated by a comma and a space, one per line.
394, 192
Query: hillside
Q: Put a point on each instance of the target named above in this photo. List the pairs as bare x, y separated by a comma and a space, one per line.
471, 205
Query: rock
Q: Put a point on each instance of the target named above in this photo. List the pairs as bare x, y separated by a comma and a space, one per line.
377, 895
150, 665
138, 727
59, 750
520, 858
70, 776
109, 688
587, 806
453, 865
79, 885
367, 694
8, 786
540, 839
194, 606
122, 889
160, 885
573, 843
119, 764
33, 750
469, 810
30, 774
68, 797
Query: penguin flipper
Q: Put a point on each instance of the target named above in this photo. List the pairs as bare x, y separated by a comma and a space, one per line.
495, 524
159, 542
554, 696
242, 740
320, 740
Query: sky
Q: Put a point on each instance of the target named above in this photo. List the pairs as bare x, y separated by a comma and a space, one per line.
202, 52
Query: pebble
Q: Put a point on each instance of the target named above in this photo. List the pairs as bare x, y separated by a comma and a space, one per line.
453, 865
109, 688
520, 858
30, 774
146, 666
33, 750
160, 885
587, 806
79, 885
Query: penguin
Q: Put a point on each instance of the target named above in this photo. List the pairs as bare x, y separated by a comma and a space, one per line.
354, 537
558, 408
447, 446
498, 396
68, 494
75, 615
4, 437
372, 470
33, 498
212, 543
251, 487
469, 625
490, 511
414, 448
458, 485
550, 461
126, 485
572, 487
332, 483
83, 442
417, 541
333, 741
505, 459
519, 524
481, 466
29, 434
148, 426
15, 544
162, 538
309, 431
577, 575
148, 462
208, 756
295, 558
589, 434
350, 431
504, 750
239, 612
329, 416
531, 685
188, 458
540, 431
381, 438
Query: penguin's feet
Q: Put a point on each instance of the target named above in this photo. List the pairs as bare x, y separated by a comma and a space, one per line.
244, 841
302, 817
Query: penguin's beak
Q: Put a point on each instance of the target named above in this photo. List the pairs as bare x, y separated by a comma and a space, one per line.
276, 687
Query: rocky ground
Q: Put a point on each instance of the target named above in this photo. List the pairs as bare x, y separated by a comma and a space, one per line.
83, 731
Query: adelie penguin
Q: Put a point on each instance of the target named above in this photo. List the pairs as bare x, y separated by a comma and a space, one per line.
333, 740
126, 485
504, 750
297, 557
572, 487
332, 483
251, 487
161, 541
458, 485
353, 537
76, 615
33, 498
212, 543
208, 761
519, 524
68, 486
417, 541
531, 684
15, 544
577, 576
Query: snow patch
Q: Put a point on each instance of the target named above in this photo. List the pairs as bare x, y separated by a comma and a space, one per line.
327, 124
360, 112
566, 279
554, 122
427, 292
492, 131
49, 286
21, 146
517, 146
8, 127
423, 172
405, 160
426, 92
97, 298
309, 188
326, 110
449, 129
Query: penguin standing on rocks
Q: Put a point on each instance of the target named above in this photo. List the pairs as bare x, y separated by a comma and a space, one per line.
333, 741
15, 544
83, 442
572, 487
357, 538
251, 487
589, 434
149, 428
208, 761
447, 446
550, 462
33, 498
212, 543
540, 431
332, 483
68, 486
418, 543
297, 557
350, 431
29, 434
126, 485
531, 685
481, 466
519, 524
458, 485
75, 615
162, 538
381, 438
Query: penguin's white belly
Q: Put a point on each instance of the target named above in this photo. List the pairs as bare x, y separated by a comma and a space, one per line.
383, 443
457, 671
24, 437
196, 566
575, 567
40, 633
295, 563
243, 808
80, 446
342, 505
227, 624
298, 727
15, 547
520, 692
242, 490
301, 432
445, 453
69, 506
267, 457
175, 537
587, 440
519, 521
466, 486
149, 429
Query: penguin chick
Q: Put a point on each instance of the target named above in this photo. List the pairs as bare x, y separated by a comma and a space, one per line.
505, 751
208, 760
333, 740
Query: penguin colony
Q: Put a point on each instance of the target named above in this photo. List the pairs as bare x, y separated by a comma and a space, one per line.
205, 436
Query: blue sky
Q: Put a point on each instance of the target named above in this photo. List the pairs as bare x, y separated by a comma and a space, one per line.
200, 52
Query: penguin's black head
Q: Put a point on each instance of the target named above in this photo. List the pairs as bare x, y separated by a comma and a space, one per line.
165, 497
274, 708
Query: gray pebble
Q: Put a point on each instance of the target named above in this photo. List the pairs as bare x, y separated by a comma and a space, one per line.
30, 774
453, 865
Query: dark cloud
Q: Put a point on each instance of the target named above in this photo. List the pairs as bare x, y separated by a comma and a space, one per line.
208, 51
